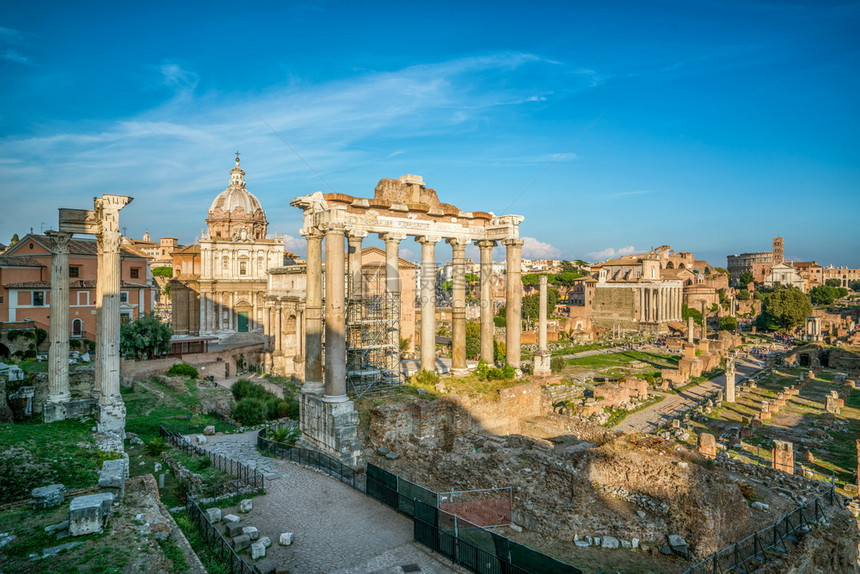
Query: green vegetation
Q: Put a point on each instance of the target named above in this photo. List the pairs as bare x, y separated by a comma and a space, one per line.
145, 337
556, 364
827, 294
164, 271
425, 377
745, 278
743, 295
250, 411
728, 323
151, 404
473, 339
484, 372
622, 358
618, 415
687, 312
785, 309
531, 304
182, 370
256, 404
284, 434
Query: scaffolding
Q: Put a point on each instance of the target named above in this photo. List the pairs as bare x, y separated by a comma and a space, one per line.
372, 340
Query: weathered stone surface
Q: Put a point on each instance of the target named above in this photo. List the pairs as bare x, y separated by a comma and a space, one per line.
678, 545
258, 550
246, 505
233, 529
265, 541
609, 542
214, 515
286, 539
48, 496
200, 439
88, 514
112, 477
251, 532
232, 518
209, 430
240, 542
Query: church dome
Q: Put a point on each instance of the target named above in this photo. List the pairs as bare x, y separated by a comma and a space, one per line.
236, 195
236, 214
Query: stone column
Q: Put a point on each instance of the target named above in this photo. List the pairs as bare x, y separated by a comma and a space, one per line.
392, 292
542, 357
335, 318
354, 262
428, 302
313, 314
690, 327
487, 326
513, 301
458, 307
704, 321
58, 367
730, 380
783, 456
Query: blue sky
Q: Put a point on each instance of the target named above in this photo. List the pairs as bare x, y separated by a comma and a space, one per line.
611, 126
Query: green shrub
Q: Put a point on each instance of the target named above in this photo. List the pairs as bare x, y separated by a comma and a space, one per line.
156, 446
484, 372
274, 406
286, 434
182, 370
245, 389
250, 411
556, 364
425, 377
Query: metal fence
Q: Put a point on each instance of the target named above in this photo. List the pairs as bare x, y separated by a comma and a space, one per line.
752, 550
310, 458
469, 545
250, 476
216, 541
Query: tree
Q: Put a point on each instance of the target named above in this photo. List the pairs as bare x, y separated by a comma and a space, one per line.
145, 337
687, 312
833, 282
531, 304
785, 309
14, 240
728, 323
566, 278
164, 271
823, 294
855, 285
745, 278
743, 295
473, 339
471, 279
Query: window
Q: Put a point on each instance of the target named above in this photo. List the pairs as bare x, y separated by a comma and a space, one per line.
135, 273
1, 299
123, 296
38, 298
83, 297
243, 268
74, 271
77, 328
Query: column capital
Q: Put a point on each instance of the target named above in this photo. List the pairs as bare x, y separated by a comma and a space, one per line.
109, 241
428, 239
392, 237
359, 234
485, 243
59, 240
456, 242
513, 242
312, 233
543, 279
333, 227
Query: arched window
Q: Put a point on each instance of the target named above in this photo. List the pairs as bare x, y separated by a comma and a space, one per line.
77, 328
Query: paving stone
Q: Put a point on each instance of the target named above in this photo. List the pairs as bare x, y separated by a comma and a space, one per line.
246, 505
258, 550
251, 532
240, 542
232, 518
233, 529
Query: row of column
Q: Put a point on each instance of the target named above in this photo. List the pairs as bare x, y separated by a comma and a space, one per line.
333, 385
660, 304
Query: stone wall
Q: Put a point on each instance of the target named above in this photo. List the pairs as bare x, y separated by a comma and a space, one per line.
220, 364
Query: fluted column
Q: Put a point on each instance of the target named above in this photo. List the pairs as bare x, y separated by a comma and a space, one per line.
354, 262
58, 367
487, 326
458, 307
428, 302
393, 294
108, 305
335, 318
513, 301
542, 357
313, 313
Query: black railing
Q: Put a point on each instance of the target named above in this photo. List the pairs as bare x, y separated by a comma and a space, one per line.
309, 458
752, 550
250, 476
216, 541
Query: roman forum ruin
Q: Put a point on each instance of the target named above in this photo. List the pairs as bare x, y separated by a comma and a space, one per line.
103, 222
399, 209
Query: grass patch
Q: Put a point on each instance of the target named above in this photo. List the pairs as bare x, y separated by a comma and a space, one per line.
34, 366
619, 359
147, 409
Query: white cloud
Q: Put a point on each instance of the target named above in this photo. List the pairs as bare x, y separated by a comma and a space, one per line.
295, 244
534, 249
609, 253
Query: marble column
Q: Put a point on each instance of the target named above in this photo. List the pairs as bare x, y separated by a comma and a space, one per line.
313, 314
690, 327
392, 292
487, 326
542, 357
513, 301
730, 380
458, 306
428, 302
335, 317
354, 261
58, 367
704, 321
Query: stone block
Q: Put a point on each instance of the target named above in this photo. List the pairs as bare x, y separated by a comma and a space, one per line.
88, 514
214, 515
240, 542
112, 477
233, 529
48, 496
246, 505
286, 539
200, 439
266, 541
251, 532
609, 542
209, 430
156, 468
707, 445
258, 551
232, 518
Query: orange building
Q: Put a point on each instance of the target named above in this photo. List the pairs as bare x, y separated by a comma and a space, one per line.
25, 284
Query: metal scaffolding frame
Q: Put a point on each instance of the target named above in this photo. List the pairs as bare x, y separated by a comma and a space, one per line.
372, 356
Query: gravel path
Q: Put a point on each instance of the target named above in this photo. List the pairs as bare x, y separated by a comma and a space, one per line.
338, 530
673, 406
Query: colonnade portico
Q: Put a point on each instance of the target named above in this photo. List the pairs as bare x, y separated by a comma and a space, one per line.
660, 303
400, 208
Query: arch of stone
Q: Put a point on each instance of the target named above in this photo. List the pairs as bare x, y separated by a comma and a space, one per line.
399, 209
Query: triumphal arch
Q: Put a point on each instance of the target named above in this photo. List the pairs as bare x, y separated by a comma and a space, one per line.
400, 208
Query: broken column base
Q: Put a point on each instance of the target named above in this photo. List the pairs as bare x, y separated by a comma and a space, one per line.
71, 409
542, 361
331, 428
111, 427
88, 514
